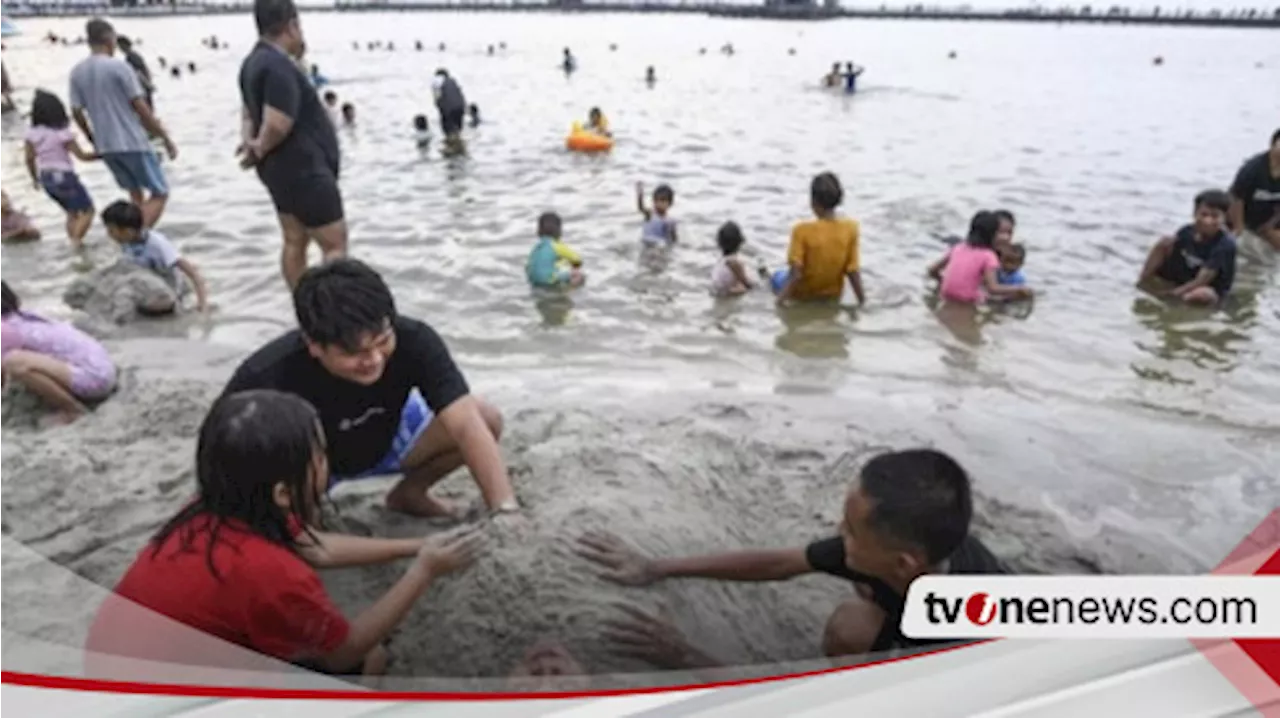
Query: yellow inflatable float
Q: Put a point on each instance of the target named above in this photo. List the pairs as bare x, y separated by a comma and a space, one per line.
581, 140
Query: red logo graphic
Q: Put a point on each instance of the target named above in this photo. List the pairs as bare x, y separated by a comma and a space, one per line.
980, 609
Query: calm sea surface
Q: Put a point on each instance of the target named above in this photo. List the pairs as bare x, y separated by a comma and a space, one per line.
1096, 150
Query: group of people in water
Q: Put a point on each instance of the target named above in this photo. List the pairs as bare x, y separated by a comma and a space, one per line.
358, 390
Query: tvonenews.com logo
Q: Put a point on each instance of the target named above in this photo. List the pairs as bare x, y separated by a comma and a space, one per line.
1093, 606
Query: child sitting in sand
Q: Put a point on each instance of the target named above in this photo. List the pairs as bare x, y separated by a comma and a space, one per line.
823, 251
49, 145
151, 250
659, 230
597, 122
972, 266
1200, 260
552, 264
729, 276
54, 360
421, 131
16, 225
1011, 260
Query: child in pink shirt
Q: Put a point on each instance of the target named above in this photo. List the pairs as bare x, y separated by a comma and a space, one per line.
971, 266
49, 145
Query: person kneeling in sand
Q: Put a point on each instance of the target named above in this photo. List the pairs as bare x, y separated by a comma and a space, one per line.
391, 398
237, 563
907, 515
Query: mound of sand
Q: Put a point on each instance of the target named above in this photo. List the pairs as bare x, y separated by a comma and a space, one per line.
671, 474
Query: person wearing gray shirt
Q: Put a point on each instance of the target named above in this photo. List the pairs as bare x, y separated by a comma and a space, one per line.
110, 107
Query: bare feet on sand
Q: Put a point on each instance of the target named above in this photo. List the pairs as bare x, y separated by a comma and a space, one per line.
413, 501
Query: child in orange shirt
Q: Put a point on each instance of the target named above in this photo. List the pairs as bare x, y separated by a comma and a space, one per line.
823, 251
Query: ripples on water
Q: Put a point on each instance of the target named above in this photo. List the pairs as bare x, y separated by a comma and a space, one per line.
1096, 151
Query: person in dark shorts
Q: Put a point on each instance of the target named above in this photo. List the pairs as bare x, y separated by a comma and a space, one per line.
390, 397
452, 105
1255, 196
288, 137
907, 514
1200, 260
49, 146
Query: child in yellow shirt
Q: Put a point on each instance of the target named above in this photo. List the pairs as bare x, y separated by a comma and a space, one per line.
823, 251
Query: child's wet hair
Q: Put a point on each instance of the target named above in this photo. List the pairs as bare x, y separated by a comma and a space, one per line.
123, 214
825, 192
1006, 216
1214, 199
330, 96
9, 302
549, 225
420, 123
730, 238
665, 193
1016, 251
983, 228
48, 111
593, 112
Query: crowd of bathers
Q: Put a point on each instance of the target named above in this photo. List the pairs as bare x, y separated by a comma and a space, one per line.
358, 390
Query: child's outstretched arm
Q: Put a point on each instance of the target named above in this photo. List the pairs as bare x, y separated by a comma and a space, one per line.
935, 269
996, 289
82, 154
640, 200
197, 281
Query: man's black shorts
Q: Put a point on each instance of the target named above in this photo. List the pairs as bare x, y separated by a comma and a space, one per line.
313, 199
451, 121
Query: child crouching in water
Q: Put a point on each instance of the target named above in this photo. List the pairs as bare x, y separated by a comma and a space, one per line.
54, 360
153, 251
552, 264
972, 266
729, 277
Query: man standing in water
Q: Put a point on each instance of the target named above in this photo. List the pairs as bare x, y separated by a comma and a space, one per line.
387, 391
906, 515
106, 94
453, 107
1255, 196
287, 135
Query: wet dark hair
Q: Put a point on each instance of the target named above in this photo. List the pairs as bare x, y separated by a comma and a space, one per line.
9, 302
825, 192
442, 72
594, 111
249, 442
341, 301
273, 16
330, 95
919, 497
1214, 199
473, 108
549, 225
1017, 251
983, 228
48, 111
420, 122
347, 108
124, 214
1005, 215
98, 31
729, 238
124, 42
664, 193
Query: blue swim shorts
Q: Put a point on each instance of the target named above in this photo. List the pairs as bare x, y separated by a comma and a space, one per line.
415, 417
136, 171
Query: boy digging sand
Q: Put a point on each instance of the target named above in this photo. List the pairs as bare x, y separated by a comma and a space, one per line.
1200, 260
151, 250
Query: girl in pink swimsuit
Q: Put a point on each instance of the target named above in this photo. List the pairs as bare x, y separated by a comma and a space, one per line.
968, 272
57, 362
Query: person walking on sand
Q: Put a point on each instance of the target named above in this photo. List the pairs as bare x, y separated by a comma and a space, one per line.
389, 395
110, 107
287, 135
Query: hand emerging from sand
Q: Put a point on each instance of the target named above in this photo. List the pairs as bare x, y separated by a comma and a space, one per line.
620, 563
653, 639
446, 553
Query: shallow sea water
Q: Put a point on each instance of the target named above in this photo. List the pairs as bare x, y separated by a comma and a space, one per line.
1096, 150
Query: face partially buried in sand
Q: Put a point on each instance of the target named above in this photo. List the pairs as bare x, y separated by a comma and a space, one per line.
547, 666
361, 363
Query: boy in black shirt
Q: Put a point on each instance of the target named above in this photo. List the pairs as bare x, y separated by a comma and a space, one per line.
1200, 260
908, 514
387, 391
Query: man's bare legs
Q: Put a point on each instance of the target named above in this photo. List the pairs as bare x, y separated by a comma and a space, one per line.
435, 456
331, 238
47, 378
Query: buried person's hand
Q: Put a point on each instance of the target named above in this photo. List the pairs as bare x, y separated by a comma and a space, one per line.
653, 639
446, 553
620, 563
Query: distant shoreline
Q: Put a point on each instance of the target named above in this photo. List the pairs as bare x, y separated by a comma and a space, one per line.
762, 12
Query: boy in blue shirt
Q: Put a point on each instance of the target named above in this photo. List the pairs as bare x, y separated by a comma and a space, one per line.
1010, 272
153, 251
552, 264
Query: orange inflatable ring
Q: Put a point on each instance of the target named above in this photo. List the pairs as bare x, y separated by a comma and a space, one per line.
580, 140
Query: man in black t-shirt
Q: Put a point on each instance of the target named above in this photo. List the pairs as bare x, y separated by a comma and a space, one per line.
1255, 194
1200, 260
907, 515
387, 391
287, 135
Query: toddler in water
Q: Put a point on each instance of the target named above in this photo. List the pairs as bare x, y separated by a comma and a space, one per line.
552, 264
49, 145
16, 225
421, 131
473, 111
972, 266
1010, 272
54, 360
659, 230
151, 250
729, 276
597, 122
348, 114
823, 251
